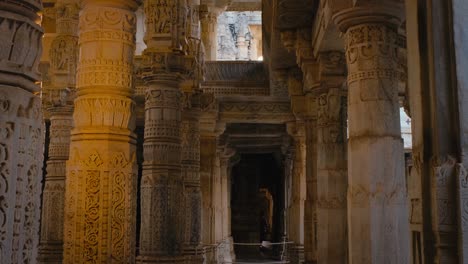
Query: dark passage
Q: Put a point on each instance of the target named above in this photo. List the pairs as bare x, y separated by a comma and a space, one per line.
257, 203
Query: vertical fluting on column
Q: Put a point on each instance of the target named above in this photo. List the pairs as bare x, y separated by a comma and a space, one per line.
100, 196
377, 205
332, 178
59, 104
190, 161
21, 131
164, 65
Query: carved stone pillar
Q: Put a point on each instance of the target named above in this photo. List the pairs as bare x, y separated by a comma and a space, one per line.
162, 184
225, 250
21, 131
100, 203
190, 132
310, 204
303, 102
331, 162
53, 197
162, 188
209, 26
297, 195
436, 38
59, 103
377, 206
208, 146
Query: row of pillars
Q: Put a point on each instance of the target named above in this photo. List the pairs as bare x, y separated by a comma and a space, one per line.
356, 204
100, 194
99, 191
101, 182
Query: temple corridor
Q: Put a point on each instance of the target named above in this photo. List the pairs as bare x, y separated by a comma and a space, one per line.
233, 131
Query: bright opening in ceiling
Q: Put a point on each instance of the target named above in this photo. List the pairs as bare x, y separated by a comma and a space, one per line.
240, 36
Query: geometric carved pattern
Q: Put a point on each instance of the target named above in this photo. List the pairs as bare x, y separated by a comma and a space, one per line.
100, 210
21, 131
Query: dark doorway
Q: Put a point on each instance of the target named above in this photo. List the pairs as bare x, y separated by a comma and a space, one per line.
257, 202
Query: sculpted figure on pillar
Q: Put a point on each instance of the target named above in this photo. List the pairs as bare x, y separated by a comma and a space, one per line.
58, 103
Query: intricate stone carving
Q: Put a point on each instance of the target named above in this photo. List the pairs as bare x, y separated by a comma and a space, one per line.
209, 24
376, 194
21, 131
190, 163
100, 204
172, 63
446, 173
53, 203
20, 45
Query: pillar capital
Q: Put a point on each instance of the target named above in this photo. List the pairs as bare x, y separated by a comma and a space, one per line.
225, 152
296, 129
371, 45
370, 12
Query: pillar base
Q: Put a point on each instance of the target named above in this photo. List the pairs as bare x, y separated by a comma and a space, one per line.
50, 254
194, 255
295, 253
225, 251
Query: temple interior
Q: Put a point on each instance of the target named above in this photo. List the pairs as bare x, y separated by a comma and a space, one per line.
234, 131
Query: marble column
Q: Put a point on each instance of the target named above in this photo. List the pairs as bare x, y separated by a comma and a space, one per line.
190, 161
310, 204
53, 196
437, 88
162, 184
226, 250
209, 168
21, 131
304, 101
59, 104
209, 27
295, 223
162, 224
377, 205
101, 181
332, 177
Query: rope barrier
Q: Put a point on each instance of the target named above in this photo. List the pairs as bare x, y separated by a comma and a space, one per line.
258, 262
261, 244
